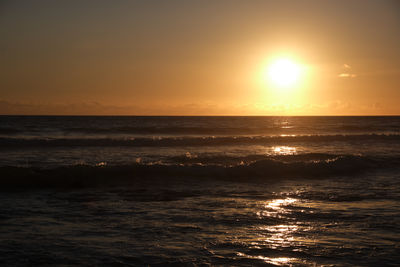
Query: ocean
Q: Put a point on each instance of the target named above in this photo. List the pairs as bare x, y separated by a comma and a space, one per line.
139, 191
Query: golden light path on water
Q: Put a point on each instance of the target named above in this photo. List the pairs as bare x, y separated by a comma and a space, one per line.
274, 261
284, 150
277, 236
280, 230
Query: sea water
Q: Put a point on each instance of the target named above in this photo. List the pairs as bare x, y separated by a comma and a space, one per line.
199, 190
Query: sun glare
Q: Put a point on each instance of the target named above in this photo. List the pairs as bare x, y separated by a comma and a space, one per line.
283, 73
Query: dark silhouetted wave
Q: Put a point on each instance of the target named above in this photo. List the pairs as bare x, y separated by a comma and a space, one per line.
190, 141
203, 130
175, 130
308, 166
4, 130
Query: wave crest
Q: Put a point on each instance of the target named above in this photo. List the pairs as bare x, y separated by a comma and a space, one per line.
189, 141
271, 169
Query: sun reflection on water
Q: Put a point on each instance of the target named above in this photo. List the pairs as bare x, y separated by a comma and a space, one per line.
274, 261
281, 228
278, 203
280, 260
284, 150
275, 208
279, 235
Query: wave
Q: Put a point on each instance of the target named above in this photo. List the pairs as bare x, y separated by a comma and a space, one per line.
189, 141
8, 130
268, 169
227, 160
203, 130
221, 131
176, 130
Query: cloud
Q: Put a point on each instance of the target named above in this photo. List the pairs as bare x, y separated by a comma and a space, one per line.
346, 72
88, 108
347, 75
95, 108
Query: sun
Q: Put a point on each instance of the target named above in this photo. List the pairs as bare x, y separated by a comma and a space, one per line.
283, 73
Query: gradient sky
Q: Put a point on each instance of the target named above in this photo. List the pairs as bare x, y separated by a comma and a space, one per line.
198, 57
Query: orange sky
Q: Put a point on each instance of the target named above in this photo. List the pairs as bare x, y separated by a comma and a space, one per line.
198, 57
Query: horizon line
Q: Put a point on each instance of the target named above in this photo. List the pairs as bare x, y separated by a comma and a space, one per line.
128, 115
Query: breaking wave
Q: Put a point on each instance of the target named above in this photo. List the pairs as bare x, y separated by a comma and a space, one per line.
308, 166
218, 130
190, 141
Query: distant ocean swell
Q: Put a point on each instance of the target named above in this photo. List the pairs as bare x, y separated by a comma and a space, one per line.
305, 166
206, 129
270, 129
191, 141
